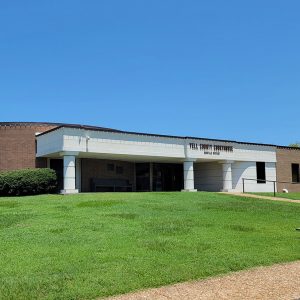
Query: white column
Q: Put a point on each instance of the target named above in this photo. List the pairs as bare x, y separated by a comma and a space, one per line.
227, 176
48, 162
188, 176
78, 174
69, 175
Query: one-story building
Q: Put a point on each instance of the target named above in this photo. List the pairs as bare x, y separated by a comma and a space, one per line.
96, 159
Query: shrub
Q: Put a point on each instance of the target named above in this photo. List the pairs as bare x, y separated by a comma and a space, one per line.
28, 182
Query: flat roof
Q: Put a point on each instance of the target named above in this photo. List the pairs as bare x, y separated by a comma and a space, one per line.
105, 129
28, 123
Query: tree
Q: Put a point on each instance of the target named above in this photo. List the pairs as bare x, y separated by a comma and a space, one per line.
296, 145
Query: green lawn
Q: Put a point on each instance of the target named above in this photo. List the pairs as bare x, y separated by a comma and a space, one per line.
89, 245
294, 196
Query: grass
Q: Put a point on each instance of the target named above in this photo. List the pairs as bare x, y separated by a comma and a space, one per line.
293, 196
94, 245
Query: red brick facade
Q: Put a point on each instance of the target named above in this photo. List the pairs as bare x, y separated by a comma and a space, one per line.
17, 145
18, 151
285, 158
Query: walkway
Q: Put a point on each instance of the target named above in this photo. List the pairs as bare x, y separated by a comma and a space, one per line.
264, 283
262, 197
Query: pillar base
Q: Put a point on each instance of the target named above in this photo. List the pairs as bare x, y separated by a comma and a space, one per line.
65, 192
189, 190
228, 191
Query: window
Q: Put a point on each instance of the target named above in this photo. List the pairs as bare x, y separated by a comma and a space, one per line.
295, 173
110, 167
142, 171
119, 170
261, 172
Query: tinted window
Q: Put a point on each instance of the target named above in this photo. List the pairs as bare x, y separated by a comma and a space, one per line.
295, 173
119, 170
142, 171
110, 167
261, 172
58, 166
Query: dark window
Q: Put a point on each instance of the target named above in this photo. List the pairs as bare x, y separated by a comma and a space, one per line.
110, 167
261, 172
142, 171
119, 170
58, 166
167, 177
295, 173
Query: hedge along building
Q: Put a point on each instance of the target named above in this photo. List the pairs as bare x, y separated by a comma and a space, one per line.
88, 158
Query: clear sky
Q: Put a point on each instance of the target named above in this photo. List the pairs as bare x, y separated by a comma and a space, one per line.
218, 69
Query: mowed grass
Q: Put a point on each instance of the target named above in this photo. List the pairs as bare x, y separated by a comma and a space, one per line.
94, 245
293, 196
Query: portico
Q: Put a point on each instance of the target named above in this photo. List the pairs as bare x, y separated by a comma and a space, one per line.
149, 162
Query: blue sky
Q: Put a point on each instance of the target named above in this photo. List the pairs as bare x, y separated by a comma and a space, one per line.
219, 69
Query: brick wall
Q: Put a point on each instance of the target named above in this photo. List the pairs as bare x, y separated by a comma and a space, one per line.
285, 158
97, 168
17, 146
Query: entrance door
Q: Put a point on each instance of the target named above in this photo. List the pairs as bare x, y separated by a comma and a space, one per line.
167, 177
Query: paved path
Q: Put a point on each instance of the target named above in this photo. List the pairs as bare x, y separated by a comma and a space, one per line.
262, 197
280, 281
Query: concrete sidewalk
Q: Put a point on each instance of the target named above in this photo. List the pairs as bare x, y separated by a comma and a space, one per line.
281, 281
261, 197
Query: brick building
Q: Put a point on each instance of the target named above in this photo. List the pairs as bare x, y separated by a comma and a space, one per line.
89, 158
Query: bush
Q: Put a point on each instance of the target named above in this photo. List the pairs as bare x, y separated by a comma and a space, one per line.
28, 182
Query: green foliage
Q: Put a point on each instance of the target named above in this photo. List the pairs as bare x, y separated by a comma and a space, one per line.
296, 145
27, 182
88, 245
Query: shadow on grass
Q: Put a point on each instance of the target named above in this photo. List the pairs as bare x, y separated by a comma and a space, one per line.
98, 203
128, 216
8, 220
9, 204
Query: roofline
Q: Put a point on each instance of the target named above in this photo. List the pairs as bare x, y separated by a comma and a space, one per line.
102, 129
288, 147
28, 123
58, 125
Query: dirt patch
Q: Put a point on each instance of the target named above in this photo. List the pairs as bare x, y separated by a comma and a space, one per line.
275, 282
